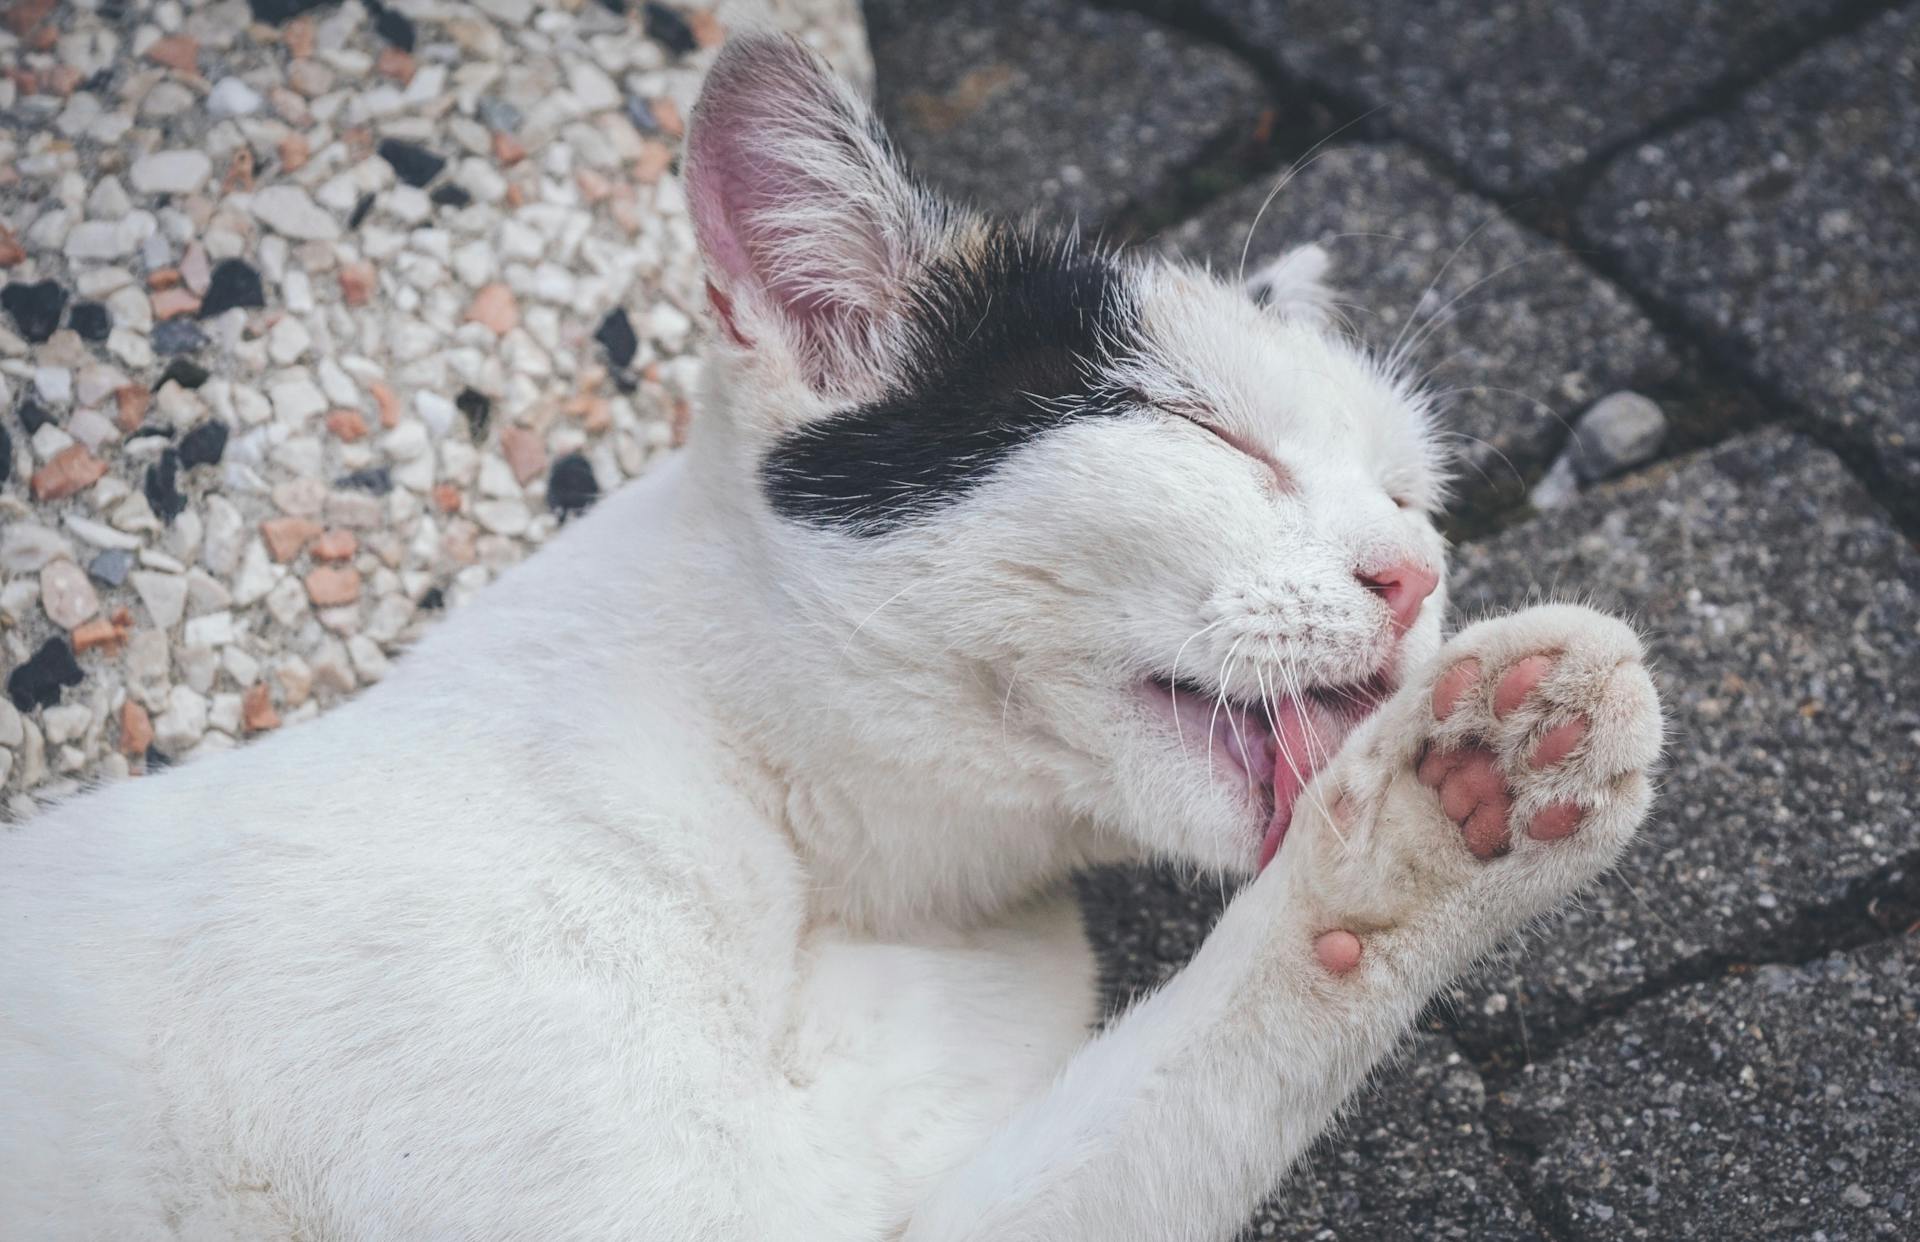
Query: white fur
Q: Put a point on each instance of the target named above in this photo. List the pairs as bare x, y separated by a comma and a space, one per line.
702, 879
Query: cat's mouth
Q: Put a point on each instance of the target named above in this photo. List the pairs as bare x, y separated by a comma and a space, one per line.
1272, 747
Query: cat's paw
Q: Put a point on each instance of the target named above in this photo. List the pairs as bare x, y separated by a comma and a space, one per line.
1513, 773
1540, 726
1294, 285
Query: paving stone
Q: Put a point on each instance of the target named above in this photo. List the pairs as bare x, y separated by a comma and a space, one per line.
1786, 228
1532, 339
1023, 104
1518, 92
1782, 611
1780, 1104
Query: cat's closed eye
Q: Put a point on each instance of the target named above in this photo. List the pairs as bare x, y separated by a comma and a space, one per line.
1208, 420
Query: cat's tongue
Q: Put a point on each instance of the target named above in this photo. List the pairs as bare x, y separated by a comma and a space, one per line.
1302, 750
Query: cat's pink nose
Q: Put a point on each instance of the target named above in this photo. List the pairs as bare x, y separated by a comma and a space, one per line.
1405, 587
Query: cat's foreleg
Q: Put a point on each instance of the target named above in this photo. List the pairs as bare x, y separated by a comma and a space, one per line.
1512, 773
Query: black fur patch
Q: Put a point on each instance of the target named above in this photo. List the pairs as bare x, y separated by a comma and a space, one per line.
1009, 349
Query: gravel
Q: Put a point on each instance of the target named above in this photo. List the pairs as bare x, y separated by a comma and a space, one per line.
1523, 337
1782, 611
1412, 1158
1019, 105
1776, 1104
1784, 230
231, 303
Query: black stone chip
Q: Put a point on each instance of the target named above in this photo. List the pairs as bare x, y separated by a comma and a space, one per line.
6, 456
571, 487
412, 163
32, 415
451, 195
616, 334
640, 112
233, 283
204, 445
394, 28
47, 672
434, 600
157, 759
149, 431
90, 320
35, 308
360, 210
666, 27
278, 12
478, 408
375, 479
162, 487
177, 336
111, 567
182, 371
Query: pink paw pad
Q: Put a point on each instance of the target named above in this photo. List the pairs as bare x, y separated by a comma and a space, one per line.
1452, 686
1467, 780
1558, 743
1519, 682
1555, 821
1338, 951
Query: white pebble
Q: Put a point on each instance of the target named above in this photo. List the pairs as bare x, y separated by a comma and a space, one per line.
213, 630
291, 212
26, 547
66, 595
183, 722
231, 97
295, 399
289, 341
109, 200
99, 534
171, 172
165, 596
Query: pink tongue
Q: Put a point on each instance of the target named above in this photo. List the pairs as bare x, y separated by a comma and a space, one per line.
1270, 844
1289, 778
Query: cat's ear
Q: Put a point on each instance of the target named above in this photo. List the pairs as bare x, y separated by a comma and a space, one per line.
1294, 285
809, 228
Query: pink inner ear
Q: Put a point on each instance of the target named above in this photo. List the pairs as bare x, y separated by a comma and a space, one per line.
770, 135
710, 178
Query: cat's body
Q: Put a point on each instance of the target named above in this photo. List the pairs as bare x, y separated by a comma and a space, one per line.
705, 878
650, 989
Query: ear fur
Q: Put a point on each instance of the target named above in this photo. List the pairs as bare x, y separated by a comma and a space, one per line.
810, 230
1293, 285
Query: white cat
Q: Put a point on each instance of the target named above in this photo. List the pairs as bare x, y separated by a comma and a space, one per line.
704, 879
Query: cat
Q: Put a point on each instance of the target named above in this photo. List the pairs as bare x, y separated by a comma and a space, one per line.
707, 876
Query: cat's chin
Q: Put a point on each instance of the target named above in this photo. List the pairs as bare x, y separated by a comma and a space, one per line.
1269, 750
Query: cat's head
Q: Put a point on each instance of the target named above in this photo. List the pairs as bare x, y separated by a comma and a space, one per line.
1089, 540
